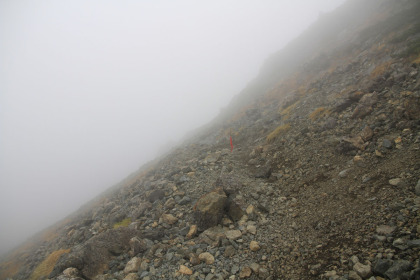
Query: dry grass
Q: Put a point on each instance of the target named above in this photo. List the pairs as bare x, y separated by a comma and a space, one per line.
319, 113
276, 132
15, 259
380, 69
46, 267
49, 235
285, 113
417, 60
10, 268
123, 223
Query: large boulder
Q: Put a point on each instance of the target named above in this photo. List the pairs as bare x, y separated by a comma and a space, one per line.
155, 195
210, 208
92, 257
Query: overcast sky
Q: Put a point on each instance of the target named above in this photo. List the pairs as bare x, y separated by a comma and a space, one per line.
91, 90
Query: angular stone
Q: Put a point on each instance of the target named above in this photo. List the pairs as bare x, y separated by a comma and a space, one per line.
398, 268
95, 254
155, 195
354, 276
132, 276
229, 183
233, 234
137, 246
250, 210
236, 207
381, 266
367, 133
254, 246
251, 229
387, 144
212, 236
343, 173
170, 203
412, 108
361, 111
417, 188
141, 209
245, 272
330, 273
385, 230
229, 251
184, 270
365, 105
192, 232
413, 243
185, 200
364, 271
255, 267
71, 272
133, 265
395, 182
263, 273
209, 209
194, 260
263, 172
144, 265
168, 218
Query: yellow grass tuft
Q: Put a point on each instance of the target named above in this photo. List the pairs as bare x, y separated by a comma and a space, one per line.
417, 60
319, 113
287, 111
10, 268
276, 132
46, 267
380, 69
123, 223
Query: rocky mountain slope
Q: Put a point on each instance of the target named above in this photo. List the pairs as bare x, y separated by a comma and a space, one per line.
322, 183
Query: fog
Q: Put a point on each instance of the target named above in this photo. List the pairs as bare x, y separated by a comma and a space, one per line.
91, 90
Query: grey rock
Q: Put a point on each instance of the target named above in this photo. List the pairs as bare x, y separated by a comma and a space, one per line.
413, 243
343, 173
155, 195
354, 276
263, 273
417, 188
229, 251
234, 269
363, 270
381, 266
236, 207
385, 230
90, 258
387, 144
263, 172
137, 246
396, 182
398, 268
210, 208
229, 183
185, 200
400, 244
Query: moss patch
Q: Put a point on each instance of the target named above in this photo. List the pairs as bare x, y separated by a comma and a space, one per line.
123, 223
